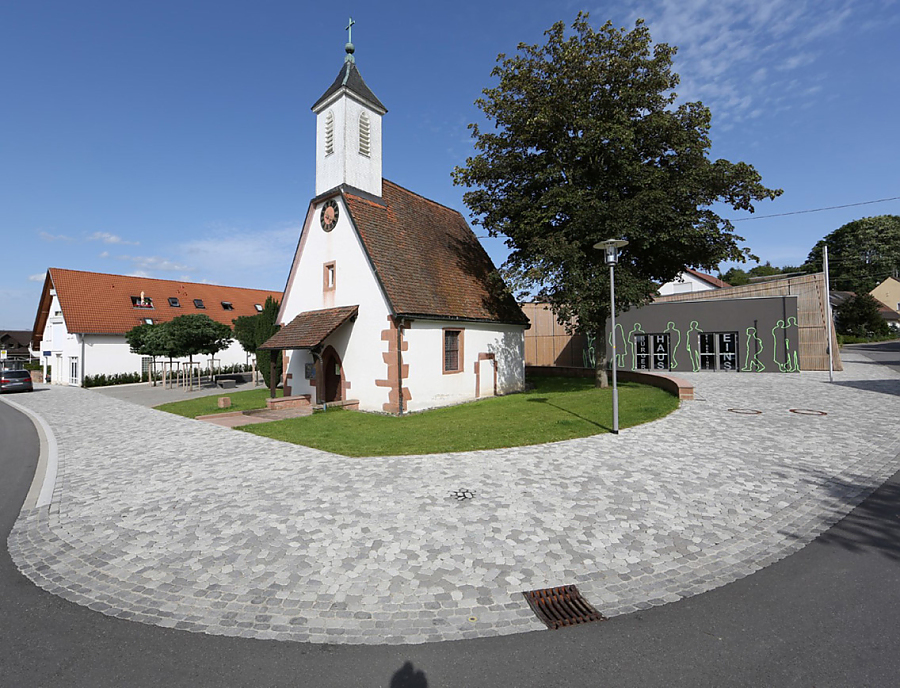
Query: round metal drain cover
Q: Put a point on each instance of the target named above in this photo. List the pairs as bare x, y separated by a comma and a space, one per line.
808, 412
745, 412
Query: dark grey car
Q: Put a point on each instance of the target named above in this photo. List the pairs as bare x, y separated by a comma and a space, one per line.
15, 381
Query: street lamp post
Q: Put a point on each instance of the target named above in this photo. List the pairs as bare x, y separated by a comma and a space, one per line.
611, 249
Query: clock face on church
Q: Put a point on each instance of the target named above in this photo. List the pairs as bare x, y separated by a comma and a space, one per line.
329, 215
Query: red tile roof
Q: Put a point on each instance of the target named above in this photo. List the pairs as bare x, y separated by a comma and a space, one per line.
715, 281
428, 260
310, 328
97, 303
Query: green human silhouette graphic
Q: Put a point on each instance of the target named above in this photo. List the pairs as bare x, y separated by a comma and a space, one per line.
674, 340
589, 354
618, 343
779, 348
793, 363
693, 334
754, 347
636, 331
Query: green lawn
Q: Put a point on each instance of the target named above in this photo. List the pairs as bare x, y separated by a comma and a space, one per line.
556, 409
203, 406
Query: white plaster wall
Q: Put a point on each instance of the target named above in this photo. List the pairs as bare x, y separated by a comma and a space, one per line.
430, 387
685, 282
359, 343
346, 164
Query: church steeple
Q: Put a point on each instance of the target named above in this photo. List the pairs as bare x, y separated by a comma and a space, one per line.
348, 131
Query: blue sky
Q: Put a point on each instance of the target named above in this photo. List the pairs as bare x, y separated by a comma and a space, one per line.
175, 139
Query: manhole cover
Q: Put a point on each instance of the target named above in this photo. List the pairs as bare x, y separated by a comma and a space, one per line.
745, 412
562, 606
462, 494
808, 412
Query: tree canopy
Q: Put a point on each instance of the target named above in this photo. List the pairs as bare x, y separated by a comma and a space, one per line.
861, 254
589, 144
185, 335
860, 316
197, 333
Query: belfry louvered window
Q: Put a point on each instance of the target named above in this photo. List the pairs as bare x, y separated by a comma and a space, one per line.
364, 134
329, 133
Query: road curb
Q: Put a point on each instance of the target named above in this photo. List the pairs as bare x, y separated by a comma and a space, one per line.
40, 494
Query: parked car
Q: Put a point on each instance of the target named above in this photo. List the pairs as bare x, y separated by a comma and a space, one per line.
15, 381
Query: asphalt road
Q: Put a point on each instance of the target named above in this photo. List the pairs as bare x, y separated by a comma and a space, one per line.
825, 616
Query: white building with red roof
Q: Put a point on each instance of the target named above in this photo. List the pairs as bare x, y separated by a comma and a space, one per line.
82, 319
691, 281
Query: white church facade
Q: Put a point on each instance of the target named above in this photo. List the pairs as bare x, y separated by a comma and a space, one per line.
389, 300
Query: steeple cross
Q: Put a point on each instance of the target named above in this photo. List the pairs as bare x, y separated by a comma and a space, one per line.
350, 30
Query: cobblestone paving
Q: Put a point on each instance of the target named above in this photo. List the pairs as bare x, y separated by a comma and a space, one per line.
173, 522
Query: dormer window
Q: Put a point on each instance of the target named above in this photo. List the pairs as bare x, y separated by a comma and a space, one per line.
141, 301
174, 302
258, 306
329, 133
227, 305
198, 303
364, 134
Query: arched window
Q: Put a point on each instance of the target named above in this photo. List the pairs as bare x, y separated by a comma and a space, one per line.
364, 134
329, 133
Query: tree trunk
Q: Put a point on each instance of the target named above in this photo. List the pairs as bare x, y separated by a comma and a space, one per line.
601, 379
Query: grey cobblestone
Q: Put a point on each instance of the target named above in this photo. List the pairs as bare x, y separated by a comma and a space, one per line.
173, 522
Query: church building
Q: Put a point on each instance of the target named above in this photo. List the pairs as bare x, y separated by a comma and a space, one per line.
391, 301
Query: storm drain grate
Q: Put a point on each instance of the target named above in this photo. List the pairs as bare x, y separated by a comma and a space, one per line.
562, 606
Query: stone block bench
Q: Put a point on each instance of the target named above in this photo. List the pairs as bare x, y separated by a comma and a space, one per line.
673, 384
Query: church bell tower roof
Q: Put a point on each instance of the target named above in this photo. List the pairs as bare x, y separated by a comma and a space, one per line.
350, 79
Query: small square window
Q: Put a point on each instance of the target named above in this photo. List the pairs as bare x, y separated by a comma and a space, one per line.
258, 306
226, 305
174, 303
198, 303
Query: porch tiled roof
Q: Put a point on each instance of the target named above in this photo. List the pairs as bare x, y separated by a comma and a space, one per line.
429, 261
310, 328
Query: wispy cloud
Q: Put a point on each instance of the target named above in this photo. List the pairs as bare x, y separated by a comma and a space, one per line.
108, 238
46, 236
730, 52
243, 258
153, 263
39, 277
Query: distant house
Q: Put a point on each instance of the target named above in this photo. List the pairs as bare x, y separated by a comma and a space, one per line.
82, 319
691, 281
888, 292
14, 351
389, 302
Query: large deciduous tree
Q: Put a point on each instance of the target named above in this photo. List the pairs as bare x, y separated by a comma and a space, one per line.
589, 144
861, 254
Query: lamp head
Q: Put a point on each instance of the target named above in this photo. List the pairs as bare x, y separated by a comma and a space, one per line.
611, 248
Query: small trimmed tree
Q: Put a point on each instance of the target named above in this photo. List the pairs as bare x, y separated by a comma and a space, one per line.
266, 326
197, 334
